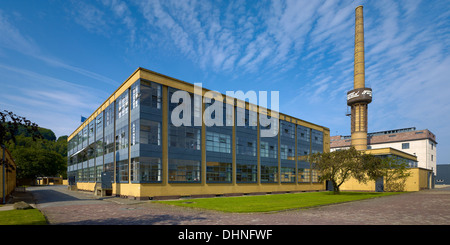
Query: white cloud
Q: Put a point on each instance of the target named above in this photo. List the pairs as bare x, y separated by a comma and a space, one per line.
45, 97
11, 38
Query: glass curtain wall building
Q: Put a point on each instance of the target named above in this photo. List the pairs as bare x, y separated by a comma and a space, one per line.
132, 137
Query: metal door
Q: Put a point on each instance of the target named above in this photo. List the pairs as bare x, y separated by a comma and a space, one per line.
72, 180
329, 185
107, 180
379, 185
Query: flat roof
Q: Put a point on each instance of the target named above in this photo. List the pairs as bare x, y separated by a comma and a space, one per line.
388, 136
392, 151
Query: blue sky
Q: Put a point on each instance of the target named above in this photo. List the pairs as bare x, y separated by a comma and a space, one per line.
62, 59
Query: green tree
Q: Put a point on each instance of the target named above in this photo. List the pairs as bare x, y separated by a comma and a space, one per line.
372, 167
36, 158
395, 172
34, 162
338, 166
36, 150
10, 124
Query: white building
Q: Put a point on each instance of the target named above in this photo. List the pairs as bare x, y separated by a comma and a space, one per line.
421, 143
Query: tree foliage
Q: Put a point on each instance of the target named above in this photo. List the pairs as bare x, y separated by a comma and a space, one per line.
395, 172
338, 166
12, 125
38, 158
35, 150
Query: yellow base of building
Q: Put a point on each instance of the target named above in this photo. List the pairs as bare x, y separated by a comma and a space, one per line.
159, 191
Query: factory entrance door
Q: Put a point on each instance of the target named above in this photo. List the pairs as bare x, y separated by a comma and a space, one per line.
107, 180
379, 185
106, 184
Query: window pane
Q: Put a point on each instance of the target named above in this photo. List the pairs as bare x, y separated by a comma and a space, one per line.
184, 170
218, 172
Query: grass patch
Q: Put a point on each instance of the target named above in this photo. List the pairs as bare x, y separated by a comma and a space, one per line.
22, 217
269, 203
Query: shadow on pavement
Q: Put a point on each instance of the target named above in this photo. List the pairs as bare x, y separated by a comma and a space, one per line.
163, 219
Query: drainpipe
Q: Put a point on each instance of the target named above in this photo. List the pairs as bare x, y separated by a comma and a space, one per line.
4, 174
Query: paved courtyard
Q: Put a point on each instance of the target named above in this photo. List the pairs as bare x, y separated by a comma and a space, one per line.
65, 207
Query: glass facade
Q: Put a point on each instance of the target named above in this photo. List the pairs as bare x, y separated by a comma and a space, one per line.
219, 158
127, 139
287, 151
246, 146
184, 146
269, 158
303, 151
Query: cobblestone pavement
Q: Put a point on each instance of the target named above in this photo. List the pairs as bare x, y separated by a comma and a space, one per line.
65, 207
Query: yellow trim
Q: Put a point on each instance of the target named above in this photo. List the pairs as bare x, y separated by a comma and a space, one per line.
165, 137
385, 151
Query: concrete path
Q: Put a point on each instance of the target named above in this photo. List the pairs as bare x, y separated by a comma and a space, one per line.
62, 206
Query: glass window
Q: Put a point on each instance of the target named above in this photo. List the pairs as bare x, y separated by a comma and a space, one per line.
122, 105
91, 131
287, 129
405, 145
109, 143
135, 95
246, 172
99, 170
122, 138
288, 173
91, 174
303, 174
218, 172
181, 170
269, 174
283, 151
85, 136
218, 142
80, 139
264, 149
246, 146
317, 141
99, 124
90, 151
146, 169
109, 167
135, 132
80, 175
122, 171
314, 176
150, 132
287, 151
150, 94
109, 115
303, 140
185, 137
269, 149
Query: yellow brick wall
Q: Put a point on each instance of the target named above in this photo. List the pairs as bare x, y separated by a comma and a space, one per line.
10, 176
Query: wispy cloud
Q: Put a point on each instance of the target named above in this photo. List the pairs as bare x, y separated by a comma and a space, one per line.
12, 38
51, 95
228, 37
